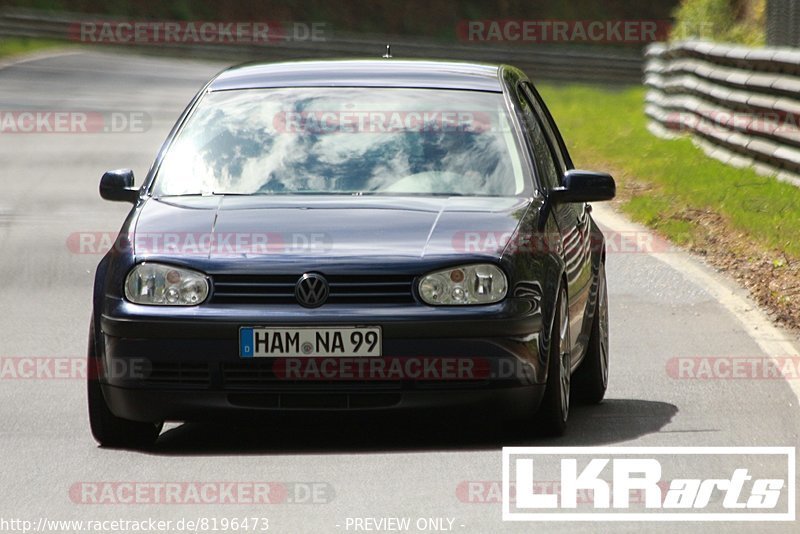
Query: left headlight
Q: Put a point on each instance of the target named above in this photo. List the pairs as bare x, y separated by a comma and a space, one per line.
165, 285
467, 284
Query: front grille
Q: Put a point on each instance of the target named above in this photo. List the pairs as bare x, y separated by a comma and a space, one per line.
259, 373
279, 289
247, 374
316, 400
186, 373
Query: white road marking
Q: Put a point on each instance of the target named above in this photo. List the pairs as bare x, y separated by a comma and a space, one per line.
36, 56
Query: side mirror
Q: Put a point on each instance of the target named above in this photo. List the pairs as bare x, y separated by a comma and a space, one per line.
584, 186
118, 185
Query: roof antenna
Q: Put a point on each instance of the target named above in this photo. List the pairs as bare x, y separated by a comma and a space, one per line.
388, 54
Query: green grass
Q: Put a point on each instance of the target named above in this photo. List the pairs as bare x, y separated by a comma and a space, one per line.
718, 20
605, 129
13, 46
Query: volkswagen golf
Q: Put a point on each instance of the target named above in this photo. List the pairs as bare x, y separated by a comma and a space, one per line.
352, 235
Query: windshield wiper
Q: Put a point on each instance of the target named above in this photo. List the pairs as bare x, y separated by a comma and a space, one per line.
207, 194
180, 195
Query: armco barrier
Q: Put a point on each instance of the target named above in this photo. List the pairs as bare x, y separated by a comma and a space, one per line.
741, 104
567, 62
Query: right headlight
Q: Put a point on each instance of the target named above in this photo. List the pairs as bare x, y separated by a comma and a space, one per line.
164, 285
463, 285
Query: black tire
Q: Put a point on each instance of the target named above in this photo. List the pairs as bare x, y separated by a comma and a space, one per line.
551, 419
591, 377
108, 429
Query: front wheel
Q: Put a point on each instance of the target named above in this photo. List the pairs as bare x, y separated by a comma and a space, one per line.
552, 417
108, 429
591, 378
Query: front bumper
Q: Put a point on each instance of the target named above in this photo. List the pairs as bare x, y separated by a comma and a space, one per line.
214, 405
184, 364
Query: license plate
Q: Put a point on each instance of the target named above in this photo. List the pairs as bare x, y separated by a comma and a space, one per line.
309, 341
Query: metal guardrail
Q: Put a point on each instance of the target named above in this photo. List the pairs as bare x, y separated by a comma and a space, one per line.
578, 63
742, 105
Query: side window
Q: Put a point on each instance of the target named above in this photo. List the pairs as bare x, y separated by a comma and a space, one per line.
542, 152
550, 127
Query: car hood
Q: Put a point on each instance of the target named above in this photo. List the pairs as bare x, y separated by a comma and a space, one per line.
334, 227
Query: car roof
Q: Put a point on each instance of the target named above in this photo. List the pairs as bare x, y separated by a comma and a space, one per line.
362, 73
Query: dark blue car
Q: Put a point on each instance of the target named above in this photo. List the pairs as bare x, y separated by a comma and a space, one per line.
352, 235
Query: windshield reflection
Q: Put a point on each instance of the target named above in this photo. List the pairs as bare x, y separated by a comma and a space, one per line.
344, 141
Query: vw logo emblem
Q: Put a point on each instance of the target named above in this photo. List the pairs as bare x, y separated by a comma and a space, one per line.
311, 290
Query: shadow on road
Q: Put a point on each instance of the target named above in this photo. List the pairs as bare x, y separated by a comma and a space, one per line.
614, 420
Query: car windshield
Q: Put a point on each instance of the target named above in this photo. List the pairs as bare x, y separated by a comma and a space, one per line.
354, 141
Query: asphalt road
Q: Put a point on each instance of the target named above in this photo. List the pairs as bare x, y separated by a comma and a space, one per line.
663, 306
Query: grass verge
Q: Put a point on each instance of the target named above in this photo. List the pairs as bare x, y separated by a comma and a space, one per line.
743, 222
14, 46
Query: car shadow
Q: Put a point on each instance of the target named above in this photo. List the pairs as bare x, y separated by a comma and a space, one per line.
615, 420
